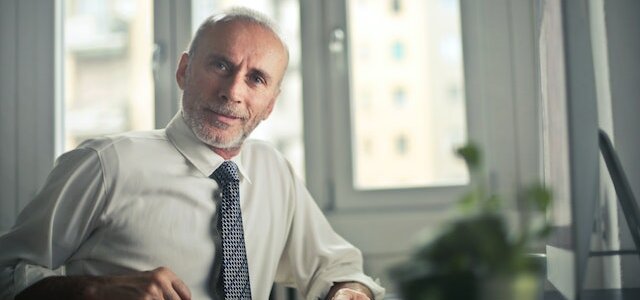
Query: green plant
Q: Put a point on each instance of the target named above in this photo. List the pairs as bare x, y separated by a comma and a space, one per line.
476, 250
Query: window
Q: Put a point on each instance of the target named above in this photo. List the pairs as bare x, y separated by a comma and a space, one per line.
399, 97
108, 84
435, 38
401, 145
354, 145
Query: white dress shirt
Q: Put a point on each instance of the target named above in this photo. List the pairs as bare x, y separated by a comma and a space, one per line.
140, 200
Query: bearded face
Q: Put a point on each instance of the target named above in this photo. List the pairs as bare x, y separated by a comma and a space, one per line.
231, 82
220, 124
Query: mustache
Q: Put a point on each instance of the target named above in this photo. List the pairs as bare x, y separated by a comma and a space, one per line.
229, 110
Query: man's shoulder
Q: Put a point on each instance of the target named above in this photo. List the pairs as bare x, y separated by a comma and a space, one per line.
125, 140
129, 151
262, 157
258, 150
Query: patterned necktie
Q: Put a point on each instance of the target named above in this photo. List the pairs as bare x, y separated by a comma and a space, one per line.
235, 271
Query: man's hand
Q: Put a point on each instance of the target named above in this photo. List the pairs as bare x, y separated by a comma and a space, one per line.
349, 294
349, 291
158, 284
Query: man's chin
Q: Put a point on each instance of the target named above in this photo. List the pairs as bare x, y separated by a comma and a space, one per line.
219, 142
216, 137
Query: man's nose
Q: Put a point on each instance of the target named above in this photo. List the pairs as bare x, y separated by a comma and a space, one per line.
233, 88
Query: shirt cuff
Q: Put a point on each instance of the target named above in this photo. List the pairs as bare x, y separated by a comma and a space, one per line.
25, 275
321, 288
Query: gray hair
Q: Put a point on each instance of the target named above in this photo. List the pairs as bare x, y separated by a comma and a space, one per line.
236, 14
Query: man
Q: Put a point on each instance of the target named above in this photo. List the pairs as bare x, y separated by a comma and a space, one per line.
156, 215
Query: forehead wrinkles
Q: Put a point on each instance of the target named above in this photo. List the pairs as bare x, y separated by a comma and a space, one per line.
243, 38
243, 42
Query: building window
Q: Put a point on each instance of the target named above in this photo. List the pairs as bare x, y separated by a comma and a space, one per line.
396, 6
401, 145
399, 97
398, 51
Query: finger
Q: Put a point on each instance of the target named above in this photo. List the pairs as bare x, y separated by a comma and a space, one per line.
173, 288
350, 294
341, 295
181, 288
164, 271
170, 294
153, 292
177, 288
161, 279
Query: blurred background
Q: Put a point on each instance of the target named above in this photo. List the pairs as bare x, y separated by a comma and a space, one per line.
374, 87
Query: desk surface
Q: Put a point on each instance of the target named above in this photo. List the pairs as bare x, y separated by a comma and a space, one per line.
612, 294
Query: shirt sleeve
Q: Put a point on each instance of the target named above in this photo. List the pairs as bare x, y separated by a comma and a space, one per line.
53, 225
315, 256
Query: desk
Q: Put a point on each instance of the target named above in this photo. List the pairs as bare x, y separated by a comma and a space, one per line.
609, 294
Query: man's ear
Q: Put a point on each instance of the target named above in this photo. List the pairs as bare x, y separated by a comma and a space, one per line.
181, 73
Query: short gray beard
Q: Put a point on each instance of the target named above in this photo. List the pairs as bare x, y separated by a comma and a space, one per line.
197, 125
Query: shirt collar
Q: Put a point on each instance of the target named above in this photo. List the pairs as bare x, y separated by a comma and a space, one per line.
197, 152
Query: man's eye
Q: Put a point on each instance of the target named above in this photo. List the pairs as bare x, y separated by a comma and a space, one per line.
220, 66
257, 79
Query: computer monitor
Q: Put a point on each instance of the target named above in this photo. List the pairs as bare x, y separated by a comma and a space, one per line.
570, 137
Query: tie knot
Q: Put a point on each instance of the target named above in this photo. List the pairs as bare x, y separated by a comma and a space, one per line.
226, 172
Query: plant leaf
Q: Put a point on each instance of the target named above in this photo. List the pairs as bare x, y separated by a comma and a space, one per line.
541, 197
471, 155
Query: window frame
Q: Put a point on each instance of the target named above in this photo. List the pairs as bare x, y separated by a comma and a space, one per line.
172, 33
29, 100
